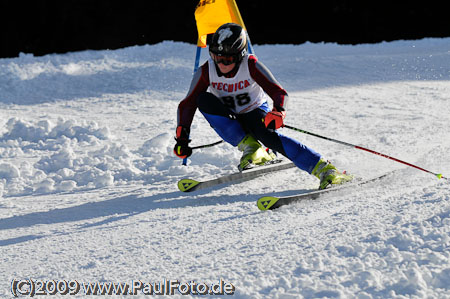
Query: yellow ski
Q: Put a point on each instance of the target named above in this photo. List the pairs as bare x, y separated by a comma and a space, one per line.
189, 185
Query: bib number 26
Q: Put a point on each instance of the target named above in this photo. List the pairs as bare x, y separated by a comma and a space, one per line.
238, 100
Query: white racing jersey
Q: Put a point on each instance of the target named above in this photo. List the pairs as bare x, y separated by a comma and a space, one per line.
240, 93
248, 89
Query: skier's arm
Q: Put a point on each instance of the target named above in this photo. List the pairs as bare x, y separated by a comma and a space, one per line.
188, 106
186, 111
261, 74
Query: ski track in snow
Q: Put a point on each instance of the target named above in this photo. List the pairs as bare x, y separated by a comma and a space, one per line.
88, 179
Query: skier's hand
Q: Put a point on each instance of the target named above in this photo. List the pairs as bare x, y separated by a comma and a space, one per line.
182, 149
274, 119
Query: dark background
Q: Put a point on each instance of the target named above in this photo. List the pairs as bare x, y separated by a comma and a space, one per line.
57, 26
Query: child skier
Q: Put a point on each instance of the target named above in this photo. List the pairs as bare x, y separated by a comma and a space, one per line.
237, 108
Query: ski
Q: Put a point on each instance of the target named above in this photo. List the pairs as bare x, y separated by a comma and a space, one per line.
189, 185
272, 202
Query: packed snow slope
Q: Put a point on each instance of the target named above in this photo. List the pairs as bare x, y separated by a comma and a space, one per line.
88, 178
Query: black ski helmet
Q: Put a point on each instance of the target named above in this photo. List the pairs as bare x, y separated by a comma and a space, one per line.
229, 39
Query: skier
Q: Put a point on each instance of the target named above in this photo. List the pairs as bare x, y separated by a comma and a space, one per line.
237, 108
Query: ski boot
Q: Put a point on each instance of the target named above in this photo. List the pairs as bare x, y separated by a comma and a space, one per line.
328, 174
253, 153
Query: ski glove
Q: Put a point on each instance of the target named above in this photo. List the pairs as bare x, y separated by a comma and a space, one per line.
274, 119
182, 149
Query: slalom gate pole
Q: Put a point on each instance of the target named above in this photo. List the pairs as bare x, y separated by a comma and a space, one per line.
438, 175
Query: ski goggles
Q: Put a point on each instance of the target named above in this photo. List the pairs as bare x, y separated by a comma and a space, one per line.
225, 60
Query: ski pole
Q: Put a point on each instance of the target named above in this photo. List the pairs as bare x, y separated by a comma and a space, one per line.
207, 145
438, 175
202, 146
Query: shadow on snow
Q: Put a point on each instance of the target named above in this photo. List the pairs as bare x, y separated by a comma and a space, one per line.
120, 208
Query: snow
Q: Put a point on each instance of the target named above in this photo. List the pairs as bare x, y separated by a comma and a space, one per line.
88, 179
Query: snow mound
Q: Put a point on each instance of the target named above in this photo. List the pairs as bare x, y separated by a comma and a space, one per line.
72, 156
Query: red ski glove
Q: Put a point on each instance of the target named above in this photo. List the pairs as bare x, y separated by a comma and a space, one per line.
182, 149
274, 119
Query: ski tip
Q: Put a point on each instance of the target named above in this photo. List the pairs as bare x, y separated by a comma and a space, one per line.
265, 203
187, 185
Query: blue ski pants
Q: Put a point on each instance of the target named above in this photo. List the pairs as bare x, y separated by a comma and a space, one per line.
233, 127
